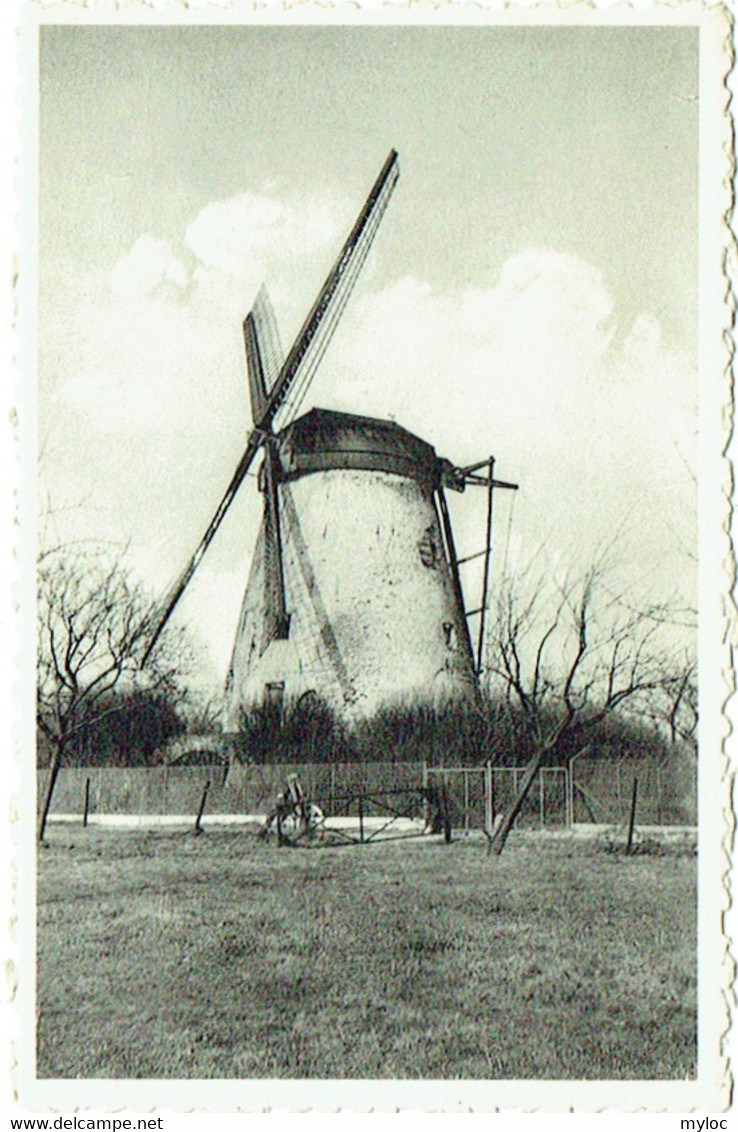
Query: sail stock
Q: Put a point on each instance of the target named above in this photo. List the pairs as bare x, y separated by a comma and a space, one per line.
276, 382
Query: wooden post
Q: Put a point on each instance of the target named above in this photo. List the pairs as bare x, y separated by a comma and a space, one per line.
87, 803
485, 576
489, 796
465, 772
445, 807
540, 798
361, 817
631, 823
201, 811
572, 784
493, 792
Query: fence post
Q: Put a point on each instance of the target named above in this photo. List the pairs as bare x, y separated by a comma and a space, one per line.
87, 802
361, 817
631, 823
443, 785
466, 800
565, 787
572, 760
489, 806
493, 792
200, 812
540, 796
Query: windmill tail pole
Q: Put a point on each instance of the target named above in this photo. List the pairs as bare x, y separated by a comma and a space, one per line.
453, 561
485, 576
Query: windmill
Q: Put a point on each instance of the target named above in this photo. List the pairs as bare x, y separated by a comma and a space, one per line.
354, 594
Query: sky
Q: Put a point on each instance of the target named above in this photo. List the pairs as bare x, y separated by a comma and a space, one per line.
531, 293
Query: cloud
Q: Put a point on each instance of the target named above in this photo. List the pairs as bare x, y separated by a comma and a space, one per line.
145, 268
529, 367
513, 357
241, 242
252, 233
155, 347
595, 421
144, 365
557, 297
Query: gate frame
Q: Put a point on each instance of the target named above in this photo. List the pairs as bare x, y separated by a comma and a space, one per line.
488, 770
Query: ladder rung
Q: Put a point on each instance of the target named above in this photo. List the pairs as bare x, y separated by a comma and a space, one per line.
471, 557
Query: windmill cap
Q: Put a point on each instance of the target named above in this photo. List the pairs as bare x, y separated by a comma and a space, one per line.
323, 440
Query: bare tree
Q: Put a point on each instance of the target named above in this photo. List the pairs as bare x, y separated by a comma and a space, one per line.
575, 659
93, 625
675, 711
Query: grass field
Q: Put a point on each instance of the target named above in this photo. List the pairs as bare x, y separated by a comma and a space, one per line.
166, 955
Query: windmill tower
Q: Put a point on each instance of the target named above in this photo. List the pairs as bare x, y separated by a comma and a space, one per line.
354, 594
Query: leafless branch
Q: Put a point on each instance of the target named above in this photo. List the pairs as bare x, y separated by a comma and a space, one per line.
93, 623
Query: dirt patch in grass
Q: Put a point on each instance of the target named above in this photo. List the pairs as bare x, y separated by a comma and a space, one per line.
165, 955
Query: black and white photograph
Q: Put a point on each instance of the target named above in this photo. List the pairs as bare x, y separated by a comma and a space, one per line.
374, 559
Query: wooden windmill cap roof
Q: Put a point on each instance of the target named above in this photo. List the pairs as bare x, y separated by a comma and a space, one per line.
323, 440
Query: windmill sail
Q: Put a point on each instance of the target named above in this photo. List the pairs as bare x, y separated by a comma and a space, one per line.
300, 364
264, 353
270, 344
354, 593
320, 325
254, 370
276, 619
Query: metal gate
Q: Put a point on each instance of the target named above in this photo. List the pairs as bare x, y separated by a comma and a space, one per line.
477, 794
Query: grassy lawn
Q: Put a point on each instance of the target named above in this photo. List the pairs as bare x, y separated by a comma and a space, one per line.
166, 955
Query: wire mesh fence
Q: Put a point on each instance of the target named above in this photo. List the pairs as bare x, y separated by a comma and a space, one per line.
602, 790
238, 789
591, 790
